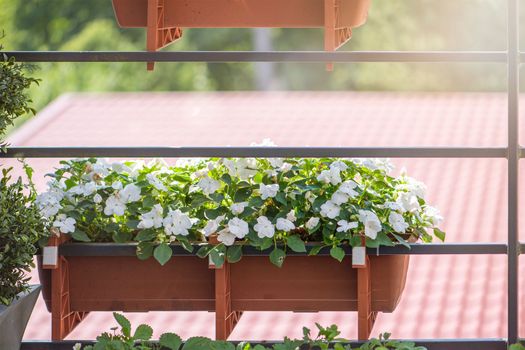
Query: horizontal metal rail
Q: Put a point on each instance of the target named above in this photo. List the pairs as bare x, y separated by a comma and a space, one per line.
129, 249
260, 56
435, 344
303, 152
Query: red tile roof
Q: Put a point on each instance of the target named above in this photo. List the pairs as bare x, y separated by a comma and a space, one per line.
446, 296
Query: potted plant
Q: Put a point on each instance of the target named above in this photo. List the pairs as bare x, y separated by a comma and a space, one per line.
21, 224
327, 338
304, 215
164, 18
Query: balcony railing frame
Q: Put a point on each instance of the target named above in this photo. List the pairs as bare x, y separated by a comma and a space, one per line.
512, 152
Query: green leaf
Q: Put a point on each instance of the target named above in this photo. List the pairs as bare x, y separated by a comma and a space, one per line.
337, 253
281, 198
315, 250
149, 202
132, 224
439, 234
204, 251
145, 235
234, 253
221, 345
124, 323
121, 237
277, 257
162, 253
217, 257
256, 202
185, 243
242, 194
144, 250
226, 178
80, 235
296, 244
197, 343
171, 341
143, 332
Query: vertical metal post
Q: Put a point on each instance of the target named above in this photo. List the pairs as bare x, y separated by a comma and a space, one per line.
513, 167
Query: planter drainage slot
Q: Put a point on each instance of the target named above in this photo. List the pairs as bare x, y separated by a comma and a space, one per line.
164, 19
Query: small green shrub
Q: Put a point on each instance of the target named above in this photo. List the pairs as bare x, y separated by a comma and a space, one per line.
327, 338
21, 227
14, 101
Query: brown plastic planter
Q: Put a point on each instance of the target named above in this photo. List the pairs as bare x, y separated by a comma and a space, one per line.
79, 285
165, 18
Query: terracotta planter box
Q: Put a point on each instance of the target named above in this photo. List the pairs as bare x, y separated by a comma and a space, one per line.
187, 283
164, 19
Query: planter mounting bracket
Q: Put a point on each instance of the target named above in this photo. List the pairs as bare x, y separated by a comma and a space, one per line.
158, 33
365, 316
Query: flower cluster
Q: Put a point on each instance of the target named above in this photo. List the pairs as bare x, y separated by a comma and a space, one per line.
261, 202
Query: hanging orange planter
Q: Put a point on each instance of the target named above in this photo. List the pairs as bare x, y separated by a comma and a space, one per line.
165, 18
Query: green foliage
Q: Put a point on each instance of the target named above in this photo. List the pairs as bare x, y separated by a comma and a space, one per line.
21, 227
517, 346
274, 205
327, 338
14, 85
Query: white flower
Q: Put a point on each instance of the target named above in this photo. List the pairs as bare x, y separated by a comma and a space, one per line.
268, 191
226, 237
310, 196
433, 215
238, 227
284, 225
276, 162
212, 225
85, 190
345, 226
383, 164
155, 182
130, 193
371, 222
264, 227
397, 222
64, 224
332, 176
413, 186
200, 173
238, 208
347, 187
114, 206
243, 168
330, 209
97, 198
208, 185
285, 167
177, 223
153, 218
117, 185
340, 165
291, 216
394, 206
408, 201
339, 197
48, 203
311, 223
266, 142
120, 167
77, 346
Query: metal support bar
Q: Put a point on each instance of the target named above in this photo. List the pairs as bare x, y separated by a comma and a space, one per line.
259, 56
303, 152
513, 169
129, 249
434, 344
